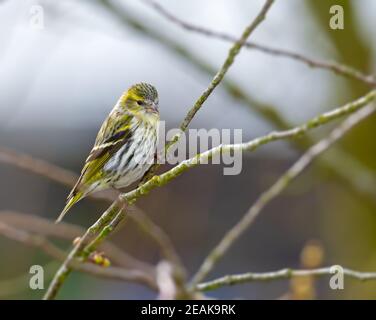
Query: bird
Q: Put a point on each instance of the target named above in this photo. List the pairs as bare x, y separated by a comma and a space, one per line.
125, 146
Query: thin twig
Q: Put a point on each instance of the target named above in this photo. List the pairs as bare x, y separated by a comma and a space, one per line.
64, 230
53, 251
37, 166
32, 240
335, 67
155, 232
110, 213
116, 273
235, 232
286, 273
234, 51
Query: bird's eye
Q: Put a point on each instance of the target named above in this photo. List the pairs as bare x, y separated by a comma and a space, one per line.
140, 102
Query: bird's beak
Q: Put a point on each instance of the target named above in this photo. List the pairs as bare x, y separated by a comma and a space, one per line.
153, 108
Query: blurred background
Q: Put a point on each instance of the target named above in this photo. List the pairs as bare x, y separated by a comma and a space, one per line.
58, 83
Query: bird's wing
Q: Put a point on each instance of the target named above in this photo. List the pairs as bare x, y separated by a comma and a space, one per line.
113, 134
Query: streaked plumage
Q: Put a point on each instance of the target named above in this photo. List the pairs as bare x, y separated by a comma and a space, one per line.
125, 145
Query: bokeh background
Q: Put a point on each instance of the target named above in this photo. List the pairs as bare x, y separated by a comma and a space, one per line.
57, 85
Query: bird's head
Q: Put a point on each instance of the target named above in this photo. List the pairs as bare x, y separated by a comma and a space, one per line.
141, 98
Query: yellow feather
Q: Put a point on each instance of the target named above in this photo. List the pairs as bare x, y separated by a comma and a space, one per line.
71, 201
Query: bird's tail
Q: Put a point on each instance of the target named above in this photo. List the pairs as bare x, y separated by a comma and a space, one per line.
73, 198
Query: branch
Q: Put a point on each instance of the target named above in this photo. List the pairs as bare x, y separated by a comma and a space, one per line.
160, 237
335, 67
65, 269
31, 240
235, 232
252, 145
69, 178
53, 251
38, 166
287, 273
234, 51
64, 230
106, 230
111, 212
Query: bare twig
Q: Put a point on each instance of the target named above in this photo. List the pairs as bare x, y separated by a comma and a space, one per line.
159, 236
31, 240
64, 230
235, 232
234, 51
167, 289
116, 273
37, 166
53, 251
287, 273
335, 67
64, 270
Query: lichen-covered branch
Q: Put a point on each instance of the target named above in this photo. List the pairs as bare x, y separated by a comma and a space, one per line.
235, 232
78, 249
335, 67
105, 232
286, 273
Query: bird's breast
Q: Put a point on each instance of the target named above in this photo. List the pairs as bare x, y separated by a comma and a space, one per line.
135, 157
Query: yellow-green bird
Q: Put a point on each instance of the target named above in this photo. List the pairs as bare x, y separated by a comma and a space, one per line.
125, 146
